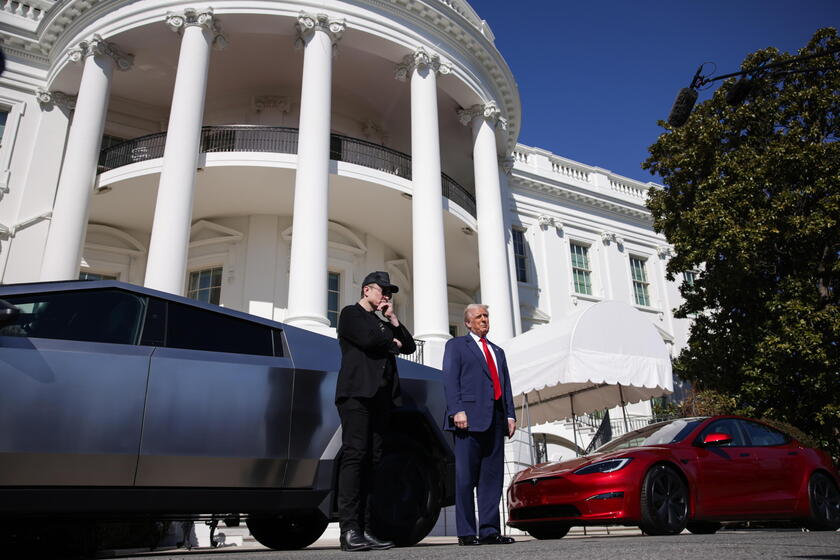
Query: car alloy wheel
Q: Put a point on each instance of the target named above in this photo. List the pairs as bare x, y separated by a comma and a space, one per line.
824, 499
664, 502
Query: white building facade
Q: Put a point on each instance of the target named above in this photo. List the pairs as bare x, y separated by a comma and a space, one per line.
266, 155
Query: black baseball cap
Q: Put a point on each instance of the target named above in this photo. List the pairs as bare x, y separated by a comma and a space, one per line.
382, 280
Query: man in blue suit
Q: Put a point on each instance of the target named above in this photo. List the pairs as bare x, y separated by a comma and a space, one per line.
479, 410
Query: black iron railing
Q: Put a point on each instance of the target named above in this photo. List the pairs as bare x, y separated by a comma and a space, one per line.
280, 140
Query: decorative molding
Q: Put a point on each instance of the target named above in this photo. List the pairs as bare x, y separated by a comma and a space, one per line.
49, 98
420, 58
307, 24
134, 249
607, 236
664, 251
96, 45
507, 163
262, 102
546, 222
488, 111
399, 269
178, 21
222, 234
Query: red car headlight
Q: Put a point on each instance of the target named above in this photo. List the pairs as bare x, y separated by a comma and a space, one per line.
608, 466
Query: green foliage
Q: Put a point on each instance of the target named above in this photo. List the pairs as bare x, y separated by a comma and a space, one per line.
752, 201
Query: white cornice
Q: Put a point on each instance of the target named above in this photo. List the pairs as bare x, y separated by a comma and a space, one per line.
444, 22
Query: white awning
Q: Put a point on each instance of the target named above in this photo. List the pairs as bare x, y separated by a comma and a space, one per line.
597, 358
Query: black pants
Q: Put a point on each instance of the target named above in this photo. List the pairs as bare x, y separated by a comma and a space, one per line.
363, 424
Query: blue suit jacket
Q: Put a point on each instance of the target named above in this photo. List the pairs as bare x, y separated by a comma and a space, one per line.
468, 385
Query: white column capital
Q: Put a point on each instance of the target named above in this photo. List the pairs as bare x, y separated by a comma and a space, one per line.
420, 58
488, 111
97, 46
178, 21
546, 222
49, 98
308, 24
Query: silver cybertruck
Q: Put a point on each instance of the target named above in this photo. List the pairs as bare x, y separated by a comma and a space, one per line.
120, 402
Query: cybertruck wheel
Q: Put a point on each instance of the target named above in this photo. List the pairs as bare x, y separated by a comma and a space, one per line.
664, 502
703, 527
289, 531
406, 499
824, 501
549, 531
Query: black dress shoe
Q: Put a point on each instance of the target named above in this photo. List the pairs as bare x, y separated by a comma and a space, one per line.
378, 544
496, 539
354, 540
469, 540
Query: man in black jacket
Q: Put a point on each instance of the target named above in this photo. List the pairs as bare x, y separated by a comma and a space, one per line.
368, 387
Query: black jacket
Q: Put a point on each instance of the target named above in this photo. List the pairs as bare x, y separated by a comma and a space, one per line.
368, 353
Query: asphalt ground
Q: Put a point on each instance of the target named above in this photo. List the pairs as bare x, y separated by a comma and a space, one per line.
741, 544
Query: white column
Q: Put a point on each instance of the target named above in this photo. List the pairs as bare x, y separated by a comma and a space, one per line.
63, 250
318, 35
431, 310
492, 248
506, 167
169, 245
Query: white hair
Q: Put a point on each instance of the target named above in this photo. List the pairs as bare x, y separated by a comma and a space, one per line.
468, 310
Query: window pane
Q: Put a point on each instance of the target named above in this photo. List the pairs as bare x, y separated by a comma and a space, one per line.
640, 283
520, 255
206, 285
200, 329
92, 315
333, 297
580, 269
763, 435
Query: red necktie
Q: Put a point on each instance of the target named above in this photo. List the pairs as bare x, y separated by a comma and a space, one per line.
494, 374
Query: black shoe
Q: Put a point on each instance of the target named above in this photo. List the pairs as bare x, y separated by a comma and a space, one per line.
469, 540
378, 544
496, 539
354, 540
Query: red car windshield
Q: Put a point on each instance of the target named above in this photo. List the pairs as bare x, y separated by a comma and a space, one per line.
655, 434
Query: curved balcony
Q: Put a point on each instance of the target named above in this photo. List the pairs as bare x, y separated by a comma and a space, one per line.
280, 140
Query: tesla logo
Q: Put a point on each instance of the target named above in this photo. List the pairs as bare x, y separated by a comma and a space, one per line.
534, 481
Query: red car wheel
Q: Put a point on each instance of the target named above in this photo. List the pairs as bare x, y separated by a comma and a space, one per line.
664, 502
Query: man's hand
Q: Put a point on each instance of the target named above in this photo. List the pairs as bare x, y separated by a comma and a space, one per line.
387, 309
511, 427
460, 420
397, 342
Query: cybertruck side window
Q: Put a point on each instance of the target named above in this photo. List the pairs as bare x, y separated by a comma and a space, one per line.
199, 329
110, 316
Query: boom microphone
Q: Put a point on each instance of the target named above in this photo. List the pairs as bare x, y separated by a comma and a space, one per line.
683, 105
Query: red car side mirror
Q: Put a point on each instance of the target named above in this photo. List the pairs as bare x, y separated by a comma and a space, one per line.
716, 439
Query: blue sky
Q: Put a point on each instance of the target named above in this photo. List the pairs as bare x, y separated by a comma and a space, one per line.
596, 75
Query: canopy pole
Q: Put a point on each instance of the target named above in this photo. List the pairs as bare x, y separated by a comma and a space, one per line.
574, 428
530, 435
623, 410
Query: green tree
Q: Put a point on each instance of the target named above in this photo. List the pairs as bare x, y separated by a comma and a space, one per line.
752, 202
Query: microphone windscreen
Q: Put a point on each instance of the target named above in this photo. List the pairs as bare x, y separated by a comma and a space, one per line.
683, 105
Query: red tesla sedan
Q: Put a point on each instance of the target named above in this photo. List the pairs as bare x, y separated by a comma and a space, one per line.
689, 473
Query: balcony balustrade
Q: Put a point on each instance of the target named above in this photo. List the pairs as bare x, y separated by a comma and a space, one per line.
280, 140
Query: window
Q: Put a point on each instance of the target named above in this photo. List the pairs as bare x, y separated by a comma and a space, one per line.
453, 330
762, 435
728, 426
640, 281
92, 316
4, 114
581, 273
520, 256
333, 297
206, 285
689, 277
96, 276
199, 329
